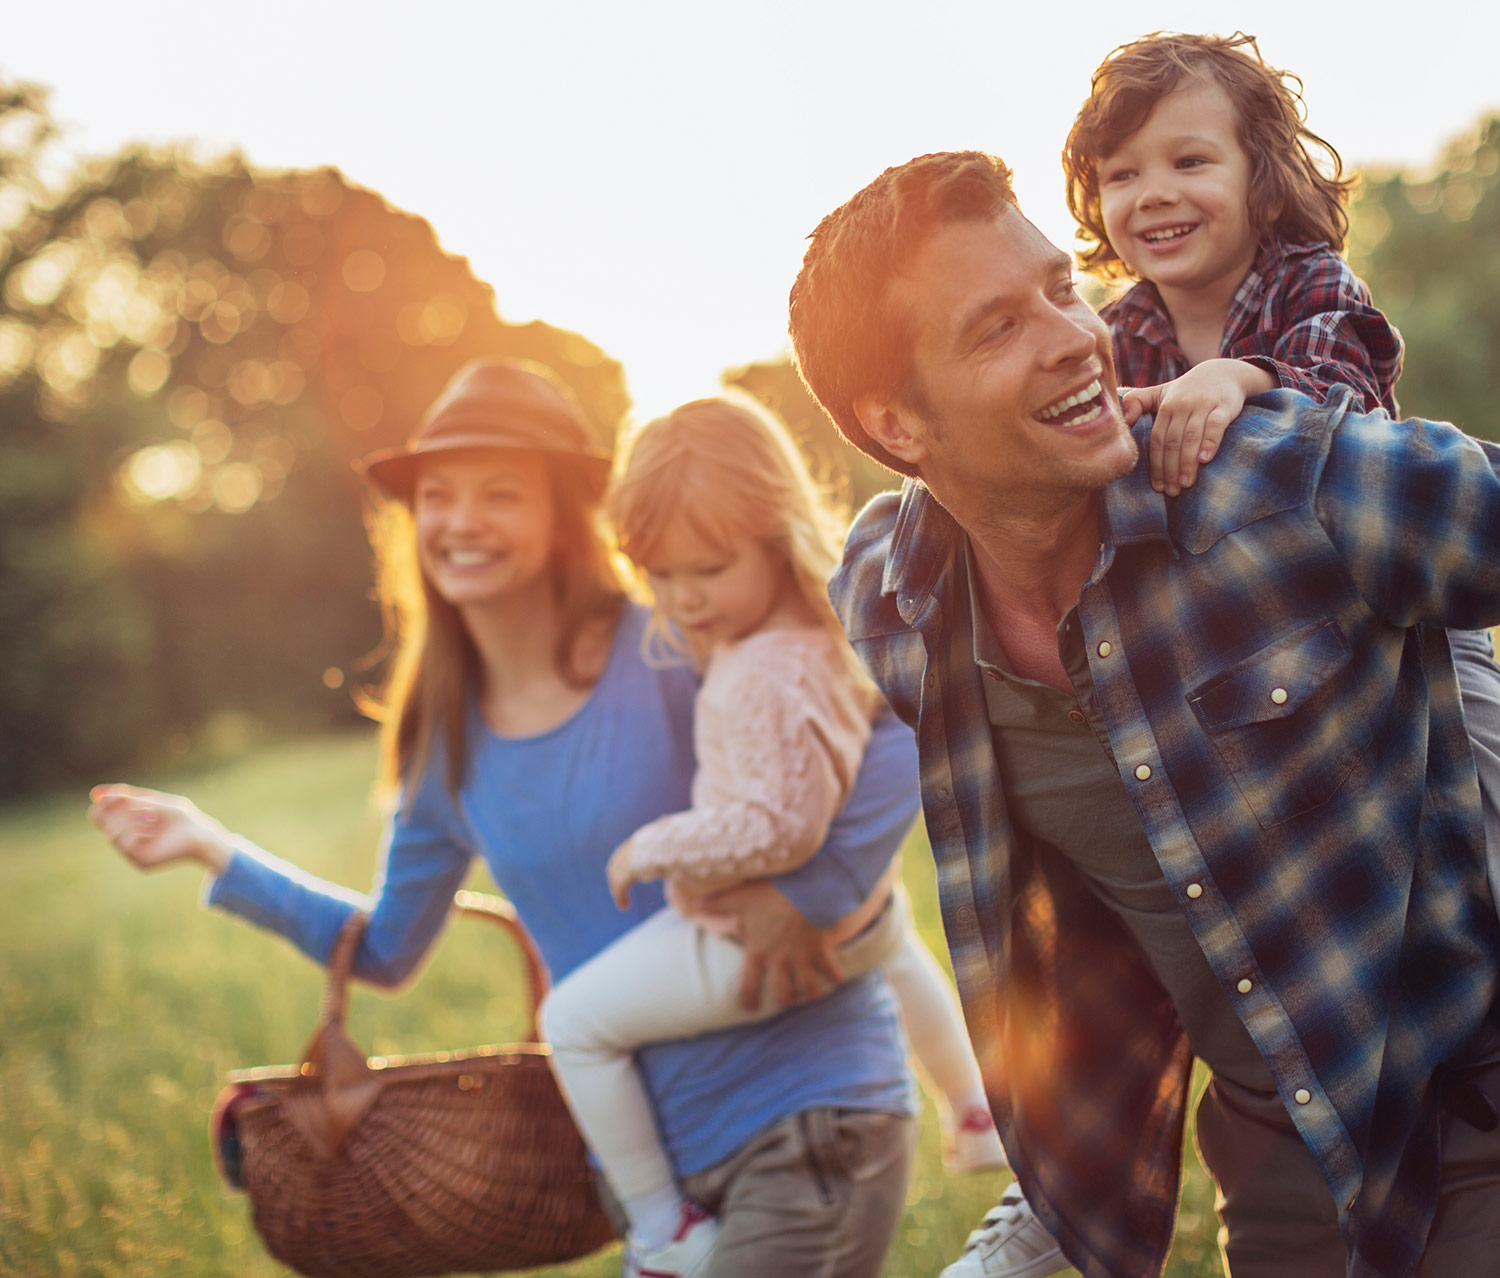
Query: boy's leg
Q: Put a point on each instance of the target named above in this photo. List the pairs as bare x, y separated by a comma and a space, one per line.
1479, 681
1465, 1235
819, 1195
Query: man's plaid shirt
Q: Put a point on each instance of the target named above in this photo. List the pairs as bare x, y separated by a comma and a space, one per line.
1269, 657
1301, 314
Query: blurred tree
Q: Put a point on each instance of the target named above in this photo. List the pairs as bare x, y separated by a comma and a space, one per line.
851, 476
1429, 247
191, 356
72, 635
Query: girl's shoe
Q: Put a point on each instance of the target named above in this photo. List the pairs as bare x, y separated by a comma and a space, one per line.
686, 1256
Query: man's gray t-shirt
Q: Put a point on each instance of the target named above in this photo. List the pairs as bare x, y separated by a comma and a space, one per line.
1063, 789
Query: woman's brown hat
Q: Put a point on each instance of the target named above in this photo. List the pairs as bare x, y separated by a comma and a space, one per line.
491, 403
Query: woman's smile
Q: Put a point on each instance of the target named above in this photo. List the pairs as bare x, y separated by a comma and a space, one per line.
484, 525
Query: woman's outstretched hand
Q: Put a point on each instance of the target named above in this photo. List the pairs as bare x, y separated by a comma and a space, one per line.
154, 829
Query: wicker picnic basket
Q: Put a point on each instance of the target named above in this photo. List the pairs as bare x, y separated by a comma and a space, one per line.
394, 1167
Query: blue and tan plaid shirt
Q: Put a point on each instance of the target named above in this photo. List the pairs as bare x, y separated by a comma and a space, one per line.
1300, 313
1269, 657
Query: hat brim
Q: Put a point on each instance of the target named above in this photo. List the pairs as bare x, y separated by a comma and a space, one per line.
393, 471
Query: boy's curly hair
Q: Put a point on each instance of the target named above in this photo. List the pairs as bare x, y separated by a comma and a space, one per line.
1291, 199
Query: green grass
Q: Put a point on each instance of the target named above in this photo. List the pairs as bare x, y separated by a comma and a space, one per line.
123, 1005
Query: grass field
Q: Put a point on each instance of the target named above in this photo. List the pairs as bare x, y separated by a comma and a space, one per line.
123, 1004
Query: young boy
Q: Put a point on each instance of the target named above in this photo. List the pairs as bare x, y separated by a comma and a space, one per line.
1189, 169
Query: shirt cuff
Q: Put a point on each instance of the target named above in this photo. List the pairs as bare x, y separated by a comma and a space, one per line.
823, 890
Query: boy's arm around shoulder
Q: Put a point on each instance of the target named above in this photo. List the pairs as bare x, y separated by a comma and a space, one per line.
1413, 508
1330, 333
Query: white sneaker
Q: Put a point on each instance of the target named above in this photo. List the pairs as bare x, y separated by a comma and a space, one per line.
1009, 1243
686, 1256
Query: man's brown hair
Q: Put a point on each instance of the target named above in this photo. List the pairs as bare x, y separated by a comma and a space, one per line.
1290, 200
849, 337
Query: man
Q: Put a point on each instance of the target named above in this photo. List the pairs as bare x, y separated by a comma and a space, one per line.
1194, 769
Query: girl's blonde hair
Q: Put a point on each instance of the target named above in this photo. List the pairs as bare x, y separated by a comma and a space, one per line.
435, 669
727, 469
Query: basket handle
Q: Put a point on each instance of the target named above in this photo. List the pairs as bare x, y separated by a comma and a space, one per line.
502, 913
474, 904
347, 1085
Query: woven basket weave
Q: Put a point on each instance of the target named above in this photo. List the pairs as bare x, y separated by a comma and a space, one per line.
401, 1166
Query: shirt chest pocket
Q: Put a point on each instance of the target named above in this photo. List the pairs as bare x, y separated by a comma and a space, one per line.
1273, 718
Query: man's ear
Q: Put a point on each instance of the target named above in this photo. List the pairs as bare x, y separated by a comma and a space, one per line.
894, 427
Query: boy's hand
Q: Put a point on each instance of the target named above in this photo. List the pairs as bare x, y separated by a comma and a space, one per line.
153, 829
1192, 413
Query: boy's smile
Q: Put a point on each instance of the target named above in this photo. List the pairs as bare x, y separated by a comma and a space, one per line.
1175, 194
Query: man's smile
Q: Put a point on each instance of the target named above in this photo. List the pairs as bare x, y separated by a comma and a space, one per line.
1075, 408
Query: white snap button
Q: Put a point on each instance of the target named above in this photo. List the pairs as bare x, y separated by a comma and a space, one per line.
1106, 648
1302, 1096
1194, 891
1245, 985
1278, 695
1143, 773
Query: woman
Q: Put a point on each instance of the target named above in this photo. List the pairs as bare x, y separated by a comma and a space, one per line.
524, 727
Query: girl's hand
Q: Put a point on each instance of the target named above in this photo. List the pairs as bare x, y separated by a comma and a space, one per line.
1192, 414
621, 875
153, 829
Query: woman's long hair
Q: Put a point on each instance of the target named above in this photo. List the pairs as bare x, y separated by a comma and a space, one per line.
434, 669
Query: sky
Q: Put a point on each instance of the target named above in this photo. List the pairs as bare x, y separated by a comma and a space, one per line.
645, 173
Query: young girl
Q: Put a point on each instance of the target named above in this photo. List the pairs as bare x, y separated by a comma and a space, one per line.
715, 504
1189, 170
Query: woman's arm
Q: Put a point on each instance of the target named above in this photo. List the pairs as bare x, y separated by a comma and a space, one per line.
423, 864
867, 833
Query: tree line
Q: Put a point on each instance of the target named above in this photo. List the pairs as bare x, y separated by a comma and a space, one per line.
193, 352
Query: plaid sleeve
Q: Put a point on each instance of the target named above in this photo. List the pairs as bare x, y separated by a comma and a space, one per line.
1327, 332
1413, 508
866, 611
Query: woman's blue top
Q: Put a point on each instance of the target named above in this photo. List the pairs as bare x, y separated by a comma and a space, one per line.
544, 813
